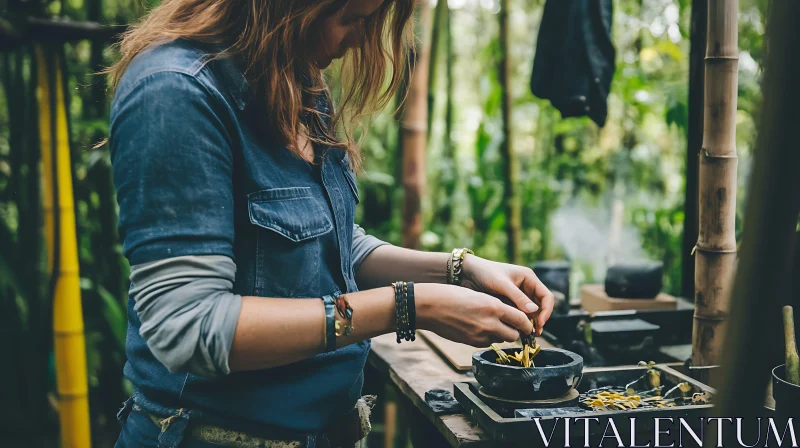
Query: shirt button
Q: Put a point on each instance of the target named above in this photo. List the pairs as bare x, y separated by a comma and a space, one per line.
597, 80
587, 108
582, 98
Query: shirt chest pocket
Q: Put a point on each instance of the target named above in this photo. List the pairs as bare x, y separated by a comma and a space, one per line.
290, 223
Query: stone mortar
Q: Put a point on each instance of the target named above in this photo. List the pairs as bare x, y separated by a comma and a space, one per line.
556, 372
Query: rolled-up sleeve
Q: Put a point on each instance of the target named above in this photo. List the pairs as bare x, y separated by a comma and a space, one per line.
188, 311
173, 165
363, 245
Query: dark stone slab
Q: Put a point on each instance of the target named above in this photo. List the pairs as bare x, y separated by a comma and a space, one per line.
442, 402
635, 280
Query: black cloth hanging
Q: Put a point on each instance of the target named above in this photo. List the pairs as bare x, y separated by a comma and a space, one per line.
574, 61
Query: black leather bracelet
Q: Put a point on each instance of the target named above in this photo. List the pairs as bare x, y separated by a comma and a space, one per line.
401, 307
330, 323
406, 320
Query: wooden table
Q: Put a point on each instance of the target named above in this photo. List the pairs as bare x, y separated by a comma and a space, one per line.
415, 368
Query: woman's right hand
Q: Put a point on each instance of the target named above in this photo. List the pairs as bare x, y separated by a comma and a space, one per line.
467, 316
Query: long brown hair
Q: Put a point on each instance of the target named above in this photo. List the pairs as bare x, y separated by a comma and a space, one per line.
268, 36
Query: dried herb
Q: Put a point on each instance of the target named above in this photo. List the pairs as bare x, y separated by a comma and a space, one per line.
616, 398
529, 348
523, 358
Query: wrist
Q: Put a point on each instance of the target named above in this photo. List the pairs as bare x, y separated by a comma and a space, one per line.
424, 305
466, 269
438, 271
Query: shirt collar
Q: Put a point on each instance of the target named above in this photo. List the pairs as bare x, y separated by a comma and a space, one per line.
233, 77
239, 87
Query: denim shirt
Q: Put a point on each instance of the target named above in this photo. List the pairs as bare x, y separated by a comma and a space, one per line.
193, 178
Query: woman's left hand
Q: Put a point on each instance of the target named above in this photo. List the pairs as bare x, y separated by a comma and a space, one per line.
515, 283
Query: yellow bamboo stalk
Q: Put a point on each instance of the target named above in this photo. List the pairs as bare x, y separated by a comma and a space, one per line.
715, 257
70, 346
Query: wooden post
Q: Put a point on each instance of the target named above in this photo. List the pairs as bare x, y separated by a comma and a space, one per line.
413, 132
715, 257
510, 196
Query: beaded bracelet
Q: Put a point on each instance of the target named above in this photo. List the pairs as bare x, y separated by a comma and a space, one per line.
397, 310
450, 270
405, 309
412, 311
346, 313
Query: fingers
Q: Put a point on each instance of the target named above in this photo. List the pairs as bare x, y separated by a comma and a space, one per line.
547, 309
505, 333
500, 322
536, 290
516, 319
508, 289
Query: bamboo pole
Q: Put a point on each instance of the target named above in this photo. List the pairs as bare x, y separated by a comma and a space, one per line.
70, 346
694, 142
450, 61
510, 171
439, 17
94, 11
715, 257
413, 132
55, 30
754, 338
448, 148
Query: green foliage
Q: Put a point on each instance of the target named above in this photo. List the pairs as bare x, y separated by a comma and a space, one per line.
662, 234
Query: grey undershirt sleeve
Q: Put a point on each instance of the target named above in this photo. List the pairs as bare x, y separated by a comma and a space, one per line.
188, 311
363, 245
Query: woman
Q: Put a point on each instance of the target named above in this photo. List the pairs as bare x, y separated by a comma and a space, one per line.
237, 199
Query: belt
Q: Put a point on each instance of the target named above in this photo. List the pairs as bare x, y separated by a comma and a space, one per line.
345, 431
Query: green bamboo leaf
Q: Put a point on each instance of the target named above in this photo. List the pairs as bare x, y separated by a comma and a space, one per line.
497, 221
114, 314
7, 277
10, 273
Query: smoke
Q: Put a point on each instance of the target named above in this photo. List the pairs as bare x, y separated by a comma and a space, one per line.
588, 237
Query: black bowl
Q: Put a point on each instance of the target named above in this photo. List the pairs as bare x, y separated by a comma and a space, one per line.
556, 372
